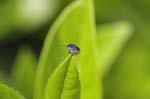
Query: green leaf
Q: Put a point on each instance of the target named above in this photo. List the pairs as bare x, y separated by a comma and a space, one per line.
75, 25
131, 72
64, 82
56, 81
8, 93
72, 85
111, 39
23, 72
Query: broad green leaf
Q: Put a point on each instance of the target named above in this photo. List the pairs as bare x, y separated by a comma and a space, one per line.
64, 82
9, 93
75, 25
23, 72
111, 39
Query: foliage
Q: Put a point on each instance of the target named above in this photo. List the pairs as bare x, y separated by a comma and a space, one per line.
110, 62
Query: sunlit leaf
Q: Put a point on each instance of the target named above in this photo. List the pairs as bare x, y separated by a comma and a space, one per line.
75, 25
72, 87
64, 82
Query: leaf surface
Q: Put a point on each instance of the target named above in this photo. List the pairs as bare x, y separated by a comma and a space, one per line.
8, 93
75, 25
64, 82
111, 39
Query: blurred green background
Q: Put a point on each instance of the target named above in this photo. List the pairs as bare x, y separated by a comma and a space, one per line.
26, 22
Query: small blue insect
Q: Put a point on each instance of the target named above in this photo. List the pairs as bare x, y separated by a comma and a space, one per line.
73, 49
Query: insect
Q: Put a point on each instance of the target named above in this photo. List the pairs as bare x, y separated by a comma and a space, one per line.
73, 49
